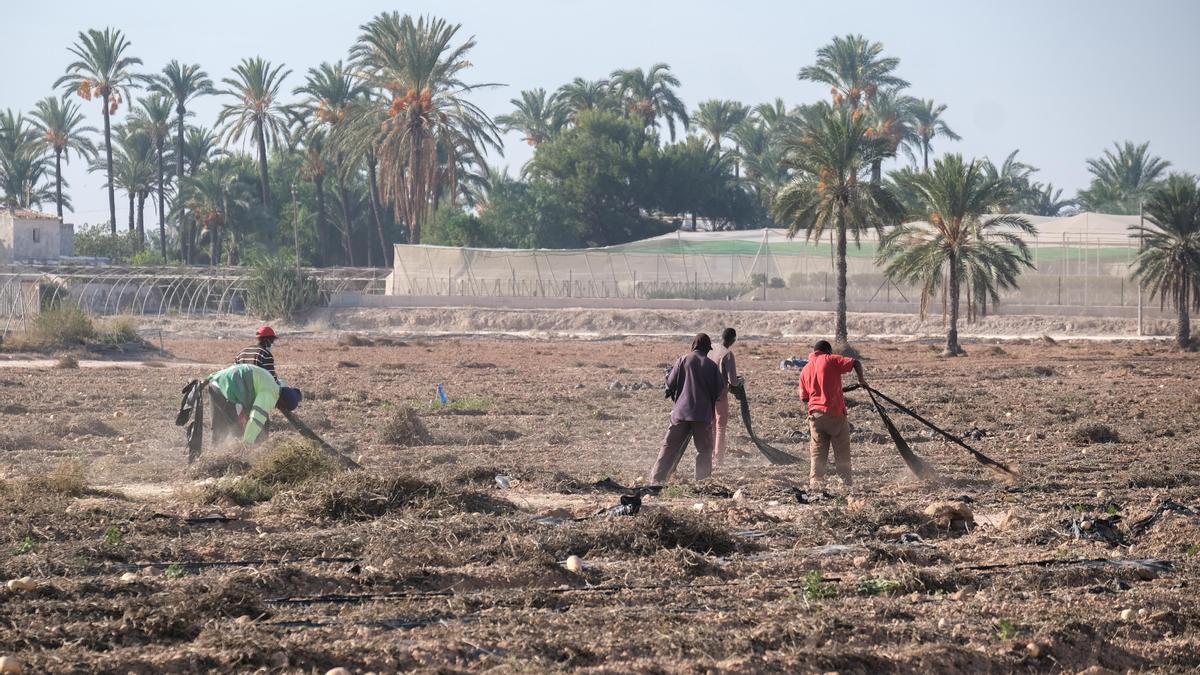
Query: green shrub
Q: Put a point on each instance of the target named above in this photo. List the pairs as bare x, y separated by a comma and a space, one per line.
62, 326
879, 586
51, 294
815, 587
148, 257
97, 242
706, 292
120, 330
275, 291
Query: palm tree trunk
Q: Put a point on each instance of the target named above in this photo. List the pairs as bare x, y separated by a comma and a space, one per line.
131, 212
322, 221
264, 179
952, 346
58, 180
345, 199
413, 199
1183, 335
112, 195
141, 220
375, 210
181, 221
214, 245
876, 170
925, 155
194, 226
266, 185
840, 334
162, 205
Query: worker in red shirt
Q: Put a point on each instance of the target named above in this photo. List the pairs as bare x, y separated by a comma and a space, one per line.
821, 389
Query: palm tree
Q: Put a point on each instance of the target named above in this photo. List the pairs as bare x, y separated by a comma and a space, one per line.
761, 153
830, 155
315, 167
773, 115
854, 70
134, 171
104, 71
1016, 175
579, 95
1169, 262
256, 112
928, 125
333, 92
959, 243
1045, 200
537, 116
181, 83
209, 196
717, 118
23, 165
891, 118
59, 123
1121, 181
649, 96
429, 121
153, 120
200, 147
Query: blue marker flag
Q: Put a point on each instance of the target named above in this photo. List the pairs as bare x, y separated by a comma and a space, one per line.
441, 394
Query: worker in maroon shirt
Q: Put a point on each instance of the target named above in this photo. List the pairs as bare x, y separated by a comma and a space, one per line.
695, 385
821, 389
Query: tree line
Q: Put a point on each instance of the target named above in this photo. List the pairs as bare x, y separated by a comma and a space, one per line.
387, 145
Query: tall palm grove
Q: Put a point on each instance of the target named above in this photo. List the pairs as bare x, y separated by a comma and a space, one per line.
387, 145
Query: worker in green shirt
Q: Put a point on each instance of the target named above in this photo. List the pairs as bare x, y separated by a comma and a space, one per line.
253, 390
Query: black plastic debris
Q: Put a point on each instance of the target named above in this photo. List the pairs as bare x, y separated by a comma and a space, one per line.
610, 485
1098, 528
629, 506
975, 433
212, 518
1139, 527
805, 497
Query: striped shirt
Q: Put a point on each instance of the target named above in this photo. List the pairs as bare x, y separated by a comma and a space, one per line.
258, 356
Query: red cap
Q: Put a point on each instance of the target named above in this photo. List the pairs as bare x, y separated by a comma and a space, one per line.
265, 331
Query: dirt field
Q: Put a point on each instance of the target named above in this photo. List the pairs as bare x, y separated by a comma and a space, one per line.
424, 562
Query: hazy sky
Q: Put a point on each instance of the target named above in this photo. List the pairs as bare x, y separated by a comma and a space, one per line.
1060, 80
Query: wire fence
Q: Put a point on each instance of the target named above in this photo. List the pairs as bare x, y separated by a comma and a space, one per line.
1069, 270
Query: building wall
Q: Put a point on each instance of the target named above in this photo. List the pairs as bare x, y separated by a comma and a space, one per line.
66, 239
6, 256
32, 238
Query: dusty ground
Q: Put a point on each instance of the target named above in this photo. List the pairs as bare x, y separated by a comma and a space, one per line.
423, 562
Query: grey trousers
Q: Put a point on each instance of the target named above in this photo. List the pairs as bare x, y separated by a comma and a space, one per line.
675, 443
225, 422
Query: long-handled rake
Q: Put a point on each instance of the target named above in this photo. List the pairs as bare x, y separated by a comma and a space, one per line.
773, 454
983, 459
346, 462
